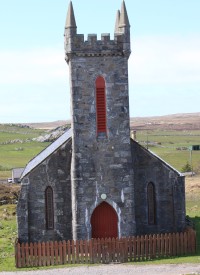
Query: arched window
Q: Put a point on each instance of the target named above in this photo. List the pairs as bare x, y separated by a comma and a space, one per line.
49, 208
151, 203
100, 105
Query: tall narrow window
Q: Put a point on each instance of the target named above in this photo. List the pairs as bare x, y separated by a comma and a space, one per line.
151, 203
100, 105
49, 208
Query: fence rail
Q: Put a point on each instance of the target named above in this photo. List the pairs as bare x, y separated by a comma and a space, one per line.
105, 250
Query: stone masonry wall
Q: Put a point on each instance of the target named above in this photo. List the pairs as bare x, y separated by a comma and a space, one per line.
169, 189
54, 172
101, 164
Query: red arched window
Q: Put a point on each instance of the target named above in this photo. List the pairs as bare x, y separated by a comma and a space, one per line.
151, 203
49, 208
101, 105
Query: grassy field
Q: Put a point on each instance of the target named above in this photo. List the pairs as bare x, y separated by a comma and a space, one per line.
172, 146
8, 233
17, 147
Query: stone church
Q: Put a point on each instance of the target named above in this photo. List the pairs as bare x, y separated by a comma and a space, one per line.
95, 181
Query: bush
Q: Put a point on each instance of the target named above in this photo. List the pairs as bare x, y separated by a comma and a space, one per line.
186, 168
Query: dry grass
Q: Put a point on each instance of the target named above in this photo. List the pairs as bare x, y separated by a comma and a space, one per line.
192, 187
9, 193
168, 122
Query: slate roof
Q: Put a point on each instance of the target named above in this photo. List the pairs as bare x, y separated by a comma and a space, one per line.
47, 152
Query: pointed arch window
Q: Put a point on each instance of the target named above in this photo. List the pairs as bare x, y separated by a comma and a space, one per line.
100, 105
151, 204
49, 208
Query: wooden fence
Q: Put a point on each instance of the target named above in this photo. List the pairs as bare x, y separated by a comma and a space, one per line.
122, 250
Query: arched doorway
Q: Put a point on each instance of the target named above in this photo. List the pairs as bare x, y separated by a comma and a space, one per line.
104, 222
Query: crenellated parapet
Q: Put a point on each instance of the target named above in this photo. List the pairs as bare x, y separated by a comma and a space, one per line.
75, 44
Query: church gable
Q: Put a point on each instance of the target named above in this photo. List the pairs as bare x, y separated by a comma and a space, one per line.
46, 196
166, 197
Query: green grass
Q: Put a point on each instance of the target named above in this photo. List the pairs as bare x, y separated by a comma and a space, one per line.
17, 154
8, 233
12, 132
165, 144
12, 156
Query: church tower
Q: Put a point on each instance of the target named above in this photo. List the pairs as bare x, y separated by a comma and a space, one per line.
101, 169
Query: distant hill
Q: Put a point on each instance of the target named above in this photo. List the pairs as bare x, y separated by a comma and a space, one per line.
190, 121
48, 125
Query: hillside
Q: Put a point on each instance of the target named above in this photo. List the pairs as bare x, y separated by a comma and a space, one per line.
169, 122
189, 121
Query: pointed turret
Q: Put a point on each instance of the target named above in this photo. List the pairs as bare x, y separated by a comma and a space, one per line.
70, 29
117, 22
124, 29
70, 25
70, 20
124, 21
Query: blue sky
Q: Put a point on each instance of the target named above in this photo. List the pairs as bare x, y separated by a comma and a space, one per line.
164, 67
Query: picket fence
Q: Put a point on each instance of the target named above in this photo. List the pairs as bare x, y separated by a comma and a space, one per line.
105, 250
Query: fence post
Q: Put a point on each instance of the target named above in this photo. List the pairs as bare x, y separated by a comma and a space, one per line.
100, 250
194, 241
173, 244
178, 244
47, 254
142, 247
138, 248
69, 255
39, 254
64, 252
154, 246
77, 252
166, 237
117, 250
134, 248
185, 239
73, 252
81, 251
91, 251
60, 250
18, 248
27, 254
181, 244
170, 245
52, 253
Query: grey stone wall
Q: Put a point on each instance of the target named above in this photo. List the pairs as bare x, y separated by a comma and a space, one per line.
54, 172
101, 164
169, 193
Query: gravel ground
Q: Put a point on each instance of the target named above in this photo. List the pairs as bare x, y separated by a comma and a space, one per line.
122, 269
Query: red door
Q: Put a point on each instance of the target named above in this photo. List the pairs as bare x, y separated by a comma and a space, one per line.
104, 222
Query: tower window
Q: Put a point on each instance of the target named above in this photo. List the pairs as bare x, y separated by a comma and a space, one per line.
49, 208
151, 204
100, 105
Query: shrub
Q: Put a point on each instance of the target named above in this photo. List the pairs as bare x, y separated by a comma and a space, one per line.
186, 168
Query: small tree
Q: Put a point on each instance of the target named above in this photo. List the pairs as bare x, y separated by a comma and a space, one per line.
186, 168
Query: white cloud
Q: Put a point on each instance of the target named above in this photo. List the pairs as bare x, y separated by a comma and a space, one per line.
165, 60
32, 66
